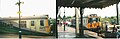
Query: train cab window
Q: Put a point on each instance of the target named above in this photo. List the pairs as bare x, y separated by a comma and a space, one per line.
41, 22
90, 20
32, 23
97, 19
94, 19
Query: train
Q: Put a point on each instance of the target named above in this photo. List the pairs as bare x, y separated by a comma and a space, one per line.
90, 22
93, 22
32, 23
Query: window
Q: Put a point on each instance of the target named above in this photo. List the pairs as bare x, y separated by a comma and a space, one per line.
49, 22
41, 22
94, 19
23, 24
84, 21
32, 23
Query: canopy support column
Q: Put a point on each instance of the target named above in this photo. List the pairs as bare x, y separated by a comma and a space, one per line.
117, 14
76, 23
81, 32
56, 31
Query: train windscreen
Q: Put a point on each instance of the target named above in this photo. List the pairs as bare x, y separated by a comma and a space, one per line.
93, 19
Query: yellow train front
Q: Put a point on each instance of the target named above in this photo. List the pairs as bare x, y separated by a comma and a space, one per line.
93, 22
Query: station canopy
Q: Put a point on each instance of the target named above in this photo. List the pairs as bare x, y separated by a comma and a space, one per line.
86, 3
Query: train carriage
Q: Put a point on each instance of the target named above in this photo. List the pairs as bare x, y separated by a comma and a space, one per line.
34, 23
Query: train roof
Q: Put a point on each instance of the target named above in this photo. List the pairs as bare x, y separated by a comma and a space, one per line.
25, 17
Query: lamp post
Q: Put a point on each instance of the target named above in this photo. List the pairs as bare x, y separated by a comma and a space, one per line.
64, 18
19, 12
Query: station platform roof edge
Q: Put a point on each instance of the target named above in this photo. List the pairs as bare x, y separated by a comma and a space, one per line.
87, 3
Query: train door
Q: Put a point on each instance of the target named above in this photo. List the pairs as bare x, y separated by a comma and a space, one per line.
44, 25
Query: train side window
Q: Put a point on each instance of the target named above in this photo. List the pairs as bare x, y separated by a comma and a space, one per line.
41, 22
32, 23
49, 22
23, 24
84, 20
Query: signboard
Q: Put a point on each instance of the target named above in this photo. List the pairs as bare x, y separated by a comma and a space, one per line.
19, 12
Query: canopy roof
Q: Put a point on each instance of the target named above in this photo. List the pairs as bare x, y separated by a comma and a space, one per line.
87, 3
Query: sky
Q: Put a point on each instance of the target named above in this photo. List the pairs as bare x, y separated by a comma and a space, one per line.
108, 11
29, 8
42, 7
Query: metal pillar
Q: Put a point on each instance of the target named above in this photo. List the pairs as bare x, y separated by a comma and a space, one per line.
18, 3
64, 18
81, 33
64, 27
117, 14
56, 30
20, 36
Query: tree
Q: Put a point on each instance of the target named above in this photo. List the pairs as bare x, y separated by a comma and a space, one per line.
105, 19
68, 17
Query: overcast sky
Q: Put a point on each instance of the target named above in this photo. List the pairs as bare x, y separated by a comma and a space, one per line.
40, 7
29, 8
108, 11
